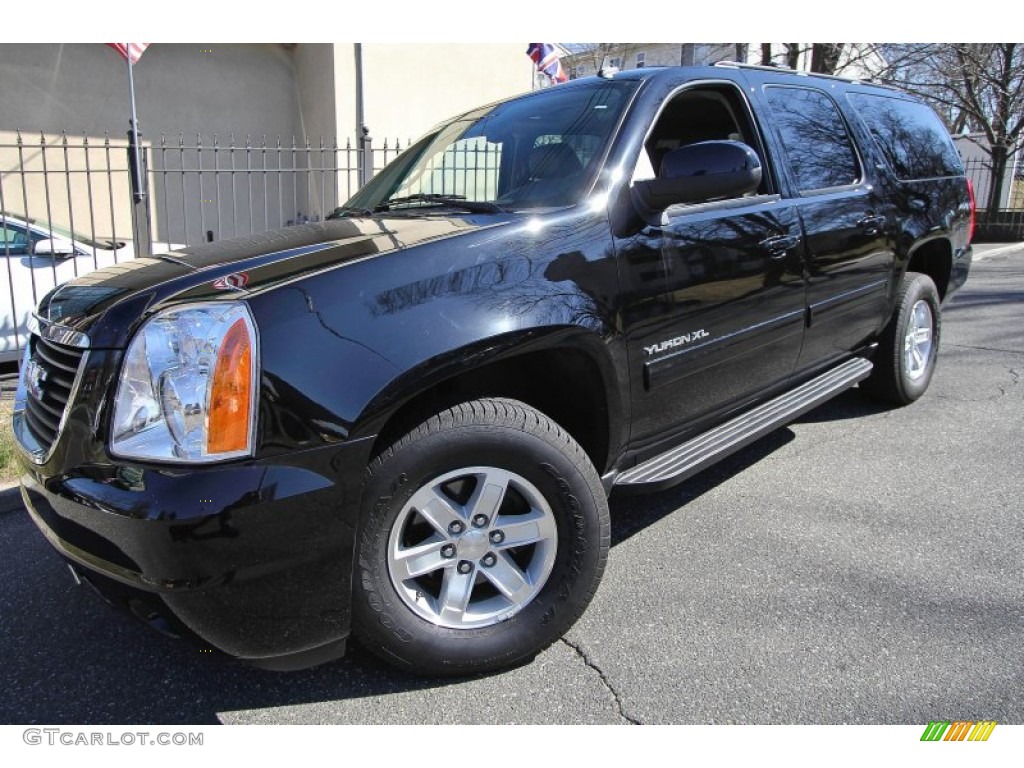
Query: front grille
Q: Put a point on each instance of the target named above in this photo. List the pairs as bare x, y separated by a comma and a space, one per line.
45, 411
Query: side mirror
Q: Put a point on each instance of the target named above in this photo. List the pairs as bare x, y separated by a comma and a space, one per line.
707, 170
58, 248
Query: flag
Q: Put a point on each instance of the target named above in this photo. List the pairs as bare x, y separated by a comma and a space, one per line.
545, 56
131, 51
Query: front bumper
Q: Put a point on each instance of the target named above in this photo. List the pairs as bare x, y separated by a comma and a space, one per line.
253, 559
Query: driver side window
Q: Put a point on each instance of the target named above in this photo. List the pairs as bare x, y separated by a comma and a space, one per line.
698, 114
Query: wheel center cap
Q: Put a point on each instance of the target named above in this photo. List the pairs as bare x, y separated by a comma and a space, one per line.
473, 545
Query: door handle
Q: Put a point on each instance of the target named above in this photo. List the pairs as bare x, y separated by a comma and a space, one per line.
777, 247
871, 224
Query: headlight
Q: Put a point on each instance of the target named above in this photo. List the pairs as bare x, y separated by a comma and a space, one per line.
188, 386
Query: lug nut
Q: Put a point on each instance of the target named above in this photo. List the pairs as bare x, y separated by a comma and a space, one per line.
448, 550
465, 566
489, 559
455, 528
497, 537
480, 521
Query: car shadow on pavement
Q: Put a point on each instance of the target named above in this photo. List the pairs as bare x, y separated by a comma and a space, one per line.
632, 513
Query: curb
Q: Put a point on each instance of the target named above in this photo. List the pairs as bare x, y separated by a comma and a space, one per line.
1000, 251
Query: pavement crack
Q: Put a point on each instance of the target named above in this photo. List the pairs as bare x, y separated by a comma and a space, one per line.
1014, 381
604, 679
985, 349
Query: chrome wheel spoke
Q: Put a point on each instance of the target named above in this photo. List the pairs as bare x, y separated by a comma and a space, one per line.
456, 590
918, 342
918, 358
412, 562
521, 530
508, 579
488, 496
437, 510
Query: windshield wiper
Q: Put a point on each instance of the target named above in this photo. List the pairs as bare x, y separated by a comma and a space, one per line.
455, 201
343, 210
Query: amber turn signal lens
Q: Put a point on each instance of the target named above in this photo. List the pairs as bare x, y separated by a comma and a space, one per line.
230, 395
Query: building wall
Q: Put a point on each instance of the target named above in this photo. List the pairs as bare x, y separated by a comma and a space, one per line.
244, 88
408, 88
232, 93
183, 91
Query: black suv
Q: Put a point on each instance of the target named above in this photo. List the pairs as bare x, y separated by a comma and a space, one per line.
404, 423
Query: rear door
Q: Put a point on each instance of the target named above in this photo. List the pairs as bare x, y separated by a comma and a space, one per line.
847, 250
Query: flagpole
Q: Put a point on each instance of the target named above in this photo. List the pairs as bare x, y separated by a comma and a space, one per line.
138, 193
142, 233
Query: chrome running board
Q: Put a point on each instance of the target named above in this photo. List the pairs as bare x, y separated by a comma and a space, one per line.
691, 457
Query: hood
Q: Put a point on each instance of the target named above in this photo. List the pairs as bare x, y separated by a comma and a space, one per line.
107, 304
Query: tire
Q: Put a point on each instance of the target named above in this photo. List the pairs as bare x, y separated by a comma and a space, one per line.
909, 346
413, 605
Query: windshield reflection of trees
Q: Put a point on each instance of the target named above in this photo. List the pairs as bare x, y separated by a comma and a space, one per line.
815, 137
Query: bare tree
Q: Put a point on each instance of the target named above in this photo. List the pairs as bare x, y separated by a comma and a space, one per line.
976, 87
793, 51
825, 57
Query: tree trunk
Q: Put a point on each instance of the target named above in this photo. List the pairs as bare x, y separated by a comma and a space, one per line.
792, 54
825, 57
766, 54
995, 189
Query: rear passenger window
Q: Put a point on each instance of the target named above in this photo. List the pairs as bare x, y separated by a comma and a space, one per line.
815, 137
910, 136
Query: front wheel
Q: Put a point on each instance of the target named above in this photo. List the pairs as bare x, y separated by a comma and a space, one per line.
484, 536
907, 350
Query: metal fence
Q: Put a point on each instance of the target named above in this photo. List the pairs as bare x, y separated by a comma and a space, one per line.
1000, 201
57, 190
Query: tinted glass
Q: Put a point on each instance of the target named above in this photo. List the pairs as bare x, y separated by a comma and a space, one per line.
540, 150
13, 241
818, 145
910, 136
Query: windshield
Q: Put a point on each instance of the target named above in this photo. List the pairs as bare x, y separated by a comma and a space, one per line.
537, 151
56, 230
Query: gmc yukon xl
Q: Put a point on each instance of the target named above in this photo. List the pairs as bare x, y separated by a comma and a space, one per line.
403, 424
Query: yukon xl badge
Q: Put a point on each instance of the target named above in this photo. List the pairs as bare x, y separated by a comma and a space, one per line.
678, 341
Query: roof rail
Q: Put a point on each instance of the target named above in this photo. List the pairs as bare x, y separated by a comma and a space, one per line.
801, 73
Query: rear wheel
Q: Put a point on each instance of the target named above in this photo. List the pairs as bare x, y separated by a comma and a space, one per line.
908, 348
484, 535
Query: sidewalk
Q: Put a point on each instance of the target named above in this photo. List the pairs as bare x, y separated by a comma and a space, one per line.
987, 250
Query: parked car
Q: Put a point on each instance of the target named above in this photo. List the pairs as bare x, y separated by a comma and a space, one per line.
403, 423
38, 256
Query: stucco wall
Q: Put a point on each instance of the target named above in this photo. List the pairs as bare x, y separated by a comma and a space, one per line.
306, 91
408, 88
245, 88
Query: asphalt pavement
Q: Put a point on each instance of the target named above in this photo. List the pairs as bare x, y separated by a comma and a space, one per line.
862, 565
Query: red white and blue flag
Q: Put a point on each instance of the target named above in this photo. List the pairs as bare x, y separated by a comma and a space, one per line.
131, 51
545, 56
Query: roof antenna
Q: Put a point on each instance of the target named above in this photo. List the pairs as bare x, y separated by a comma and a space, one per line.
607, 71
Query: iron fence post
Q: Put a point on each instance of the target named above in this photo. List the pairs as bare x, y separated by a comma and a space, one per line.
141, 225
365, 156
